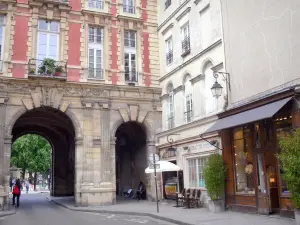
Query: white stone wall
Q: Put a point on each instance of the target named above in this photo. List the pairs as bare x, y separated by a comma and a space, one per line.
262, 42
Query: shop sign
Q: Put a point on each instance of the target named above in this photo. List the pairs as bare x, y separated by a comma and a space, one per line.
201, 146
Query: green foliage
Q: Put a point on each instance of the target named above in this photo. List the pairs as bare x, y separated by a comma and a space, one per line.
31, 152
214, 176
290, 163
48, 66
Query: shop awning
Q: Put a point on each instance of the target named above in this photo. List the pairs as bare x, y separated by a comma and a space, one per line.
163, 166
249, 116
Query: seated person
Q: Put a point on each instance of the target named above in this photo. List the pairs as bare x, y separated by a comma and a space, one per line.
141, 192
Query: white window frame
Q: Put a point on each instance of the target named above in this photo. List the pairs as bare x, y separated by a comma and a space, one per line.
48, 32
188, 100
171, 111
130, 50
185, 38
96, 46
185, 31
169, 50
196, 169
93, 3
2, 26
129, 6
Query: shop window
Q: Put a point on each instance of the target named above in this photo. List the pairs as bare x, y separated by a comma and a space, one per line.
243, 159
196, 166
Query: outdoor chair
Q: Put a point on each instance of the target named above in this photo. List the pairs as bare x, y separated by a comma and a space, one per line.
195, 202
187, 199
128, 194
180, 197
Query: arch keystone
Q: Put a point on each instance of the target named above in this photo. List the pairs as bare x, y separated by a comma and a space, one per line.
64, 105
133, 109
124, 114
28, 103
142, 116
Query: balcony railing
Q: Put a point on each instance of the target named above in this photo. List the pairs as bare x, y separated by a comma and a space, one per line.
47, 68
186, 47
96, 73
64, 2
129, 9
169, 57
171, 122
131, 76
167, 3
96, 4
188, 116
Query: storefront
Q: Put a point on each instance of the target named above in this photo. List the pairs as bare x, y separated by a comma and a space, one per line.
250, 141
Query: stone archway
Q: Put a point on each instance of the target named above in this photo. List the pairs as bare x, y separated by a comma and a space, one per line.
58, 128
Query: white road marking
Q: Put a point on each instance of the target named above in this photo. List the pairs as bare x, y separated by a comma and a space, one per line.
137, 221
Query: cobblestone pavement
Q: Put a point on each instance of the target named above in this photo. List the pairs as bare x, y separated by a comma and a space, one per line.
37, 210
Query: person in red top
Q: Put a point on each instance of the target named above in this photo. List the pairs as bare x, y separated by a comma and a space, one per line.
17, 193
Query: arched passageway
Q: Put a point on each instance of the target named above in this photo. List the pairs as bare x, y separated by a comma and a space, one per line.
58, 129
131, 156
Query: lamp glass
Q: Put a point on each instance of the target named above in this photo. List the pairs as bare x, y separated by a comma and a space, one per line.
216, 90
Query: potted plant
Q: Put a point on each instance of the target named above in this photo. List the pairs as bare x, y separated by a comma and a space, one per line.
214, 177
289, 157
58, 70
31, 71
47, 67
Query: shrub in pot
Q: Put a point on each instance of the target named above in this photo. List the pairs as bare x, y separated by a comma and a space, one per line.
214, 177
289, 157
59, 70
47, 67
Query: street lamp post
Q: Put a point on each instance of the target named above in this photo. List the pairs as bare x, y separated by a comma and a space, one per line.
153, 159
217, 88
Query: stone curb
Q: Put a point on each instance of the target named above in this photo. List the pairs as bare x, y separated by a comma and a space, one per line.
121, 212
8, 213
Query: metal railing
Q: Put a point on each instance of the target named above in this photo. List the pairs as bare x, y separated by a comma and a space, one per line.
171, 122
96, 4
131, 76
57, 1
169, 57
167, 3
188, 116
96, 73
129, 9
185, 44
47, 68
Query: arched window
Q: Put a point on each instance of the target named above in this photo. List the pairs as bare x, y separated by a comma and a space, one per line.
210, 101
170, 114
188, 99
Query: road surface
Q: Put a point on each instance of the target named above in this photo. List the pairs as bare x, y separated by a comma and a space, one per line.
35, 209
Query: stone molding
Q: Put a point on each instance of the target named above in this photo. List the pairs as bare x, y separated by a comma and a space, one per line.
179, 88
186, 11
197, 78
167, 28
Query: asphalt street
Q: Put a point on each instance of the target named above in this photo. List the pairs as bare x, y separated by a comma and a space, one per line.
35, 209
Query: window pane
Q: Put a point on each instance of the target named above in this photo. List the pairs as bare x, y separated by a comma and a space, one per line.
91, 34
2, 20
42, 46
43, 25
99, 35
91, 58
54, 26
53, 46
98, 59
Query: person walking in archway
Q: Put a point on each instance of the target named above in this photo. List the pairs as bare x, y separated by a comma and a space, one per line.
16, 193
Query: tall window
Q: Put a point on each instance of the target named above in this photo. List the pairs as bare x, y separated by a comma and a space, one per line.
196, 166
2, 37
96, 4
185, 39
128, 6
188, 103
130, 64
167, 3
242, 145
48, 40
169, 51
170, 106
95, 53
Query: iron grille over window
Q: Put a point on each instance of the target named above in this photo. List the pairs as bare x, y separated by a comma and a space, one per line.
170, 122
169, 57
167, 3
185, 44
188, 116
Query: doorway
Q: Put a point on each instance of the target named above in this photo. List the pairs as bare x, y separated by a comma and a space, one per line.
267, 188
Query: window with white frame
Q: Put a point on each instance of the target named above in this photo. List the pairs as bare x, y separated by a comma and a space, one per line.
48, 40
185, 39
130, 63
2, 39
196, 166
170, 106
169, 51
128, 6
188, 100
95, 52
96, 4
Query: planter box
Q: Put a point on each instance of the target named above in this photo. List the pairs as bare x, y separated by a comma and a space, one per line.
297, 216
216, 206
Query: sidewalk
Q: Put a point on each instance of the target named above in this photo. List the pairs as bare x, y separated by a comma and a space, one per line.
181, 216
7, 213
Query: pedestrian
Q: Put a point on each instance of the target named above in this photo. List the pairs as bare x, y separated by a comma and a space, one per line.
16, 193
27, 186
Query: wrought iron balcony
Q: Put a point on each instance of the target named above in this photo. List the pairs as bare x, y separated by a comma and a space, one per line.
129, 9
131, 76
96, 4
188, 116
167, 3
186, 47
47, 68
169, 57
171, 122
63, 2
96, 73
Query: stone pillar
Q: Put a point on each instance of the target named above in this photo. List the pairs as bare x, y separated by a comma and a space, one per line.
113, 165
78, 169
6, 169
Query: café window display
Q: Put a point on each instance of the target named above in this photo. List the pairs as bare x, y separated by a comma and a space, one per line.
244, 171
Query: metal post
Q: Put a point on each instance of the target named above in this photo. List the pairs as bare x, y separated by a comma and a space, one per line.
155, 183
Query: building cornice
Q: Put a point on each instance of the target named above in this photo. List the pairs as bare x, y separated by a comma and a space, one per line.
172, 15
217, 67
98, 13
188, 9
196, 2
167, 28
217, 43
178, 89
197, 78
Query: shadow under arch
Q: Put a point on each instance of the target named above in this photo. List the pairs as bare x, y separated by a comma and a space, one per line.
57, 127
